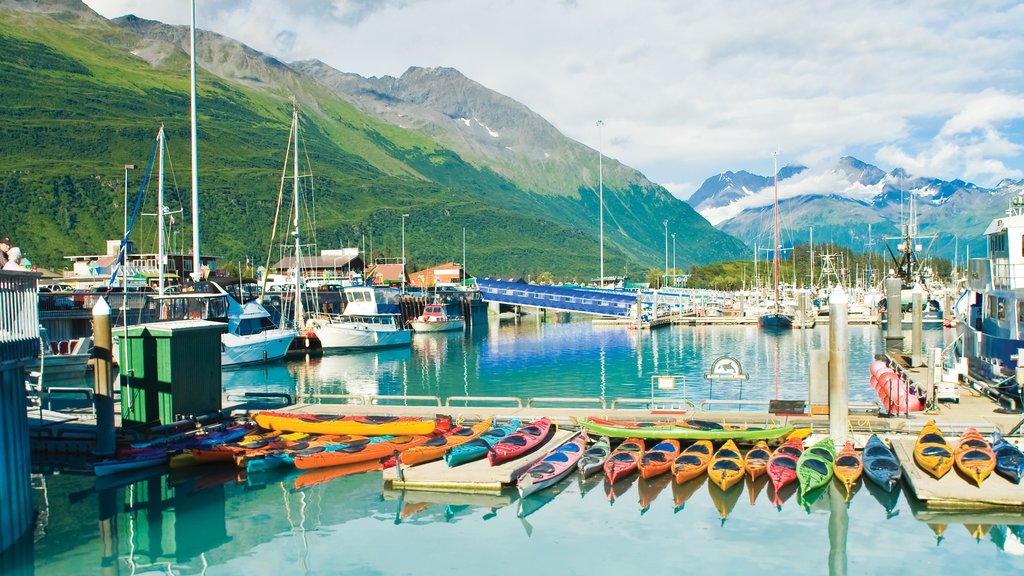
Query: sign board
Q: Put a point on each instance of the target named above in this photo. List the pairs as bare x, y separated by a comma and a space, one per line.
726, 368
666, 382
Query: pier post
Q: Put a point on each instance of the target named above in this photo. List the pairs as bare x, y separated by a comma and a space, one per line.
916, 334
894, 315
838, 359
494, 308
801, 310
817, 389
103, 382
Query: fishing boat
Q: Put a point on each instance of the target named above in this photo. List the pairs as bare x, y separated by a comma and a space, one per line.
881, 465
435, 318
594, 458
435, 448
756, 459
553, 467
931, 451
848, 467
974, 456
814, 468
361, 425
624, 459
990, 310
774, 316
478, 447
658, 459
686, 430
357, 452
693, 461
521, 442
726, 466
369, 321
1009, 460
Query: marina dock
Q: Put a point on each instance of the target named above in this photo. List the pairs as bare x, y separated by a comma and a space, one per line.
953, 490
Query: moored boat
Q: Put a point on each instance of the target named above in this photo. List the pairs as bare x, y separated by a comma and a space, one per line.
478, 447
931, 451
594, 458
693, 461
848, 467
1009, 460
756, 459
134, 461
880, 464
814, 468
521, 442
782, 464
726, 466
624, 459
361, 425
553, 467
357, 452
435, 318
435, 448
658, 459
974, 456
367, 322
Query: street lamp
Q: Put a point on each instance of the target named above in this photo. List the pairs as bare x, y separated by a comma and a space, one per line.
403, 216
600, 195
124, 253
673, 253
666, 249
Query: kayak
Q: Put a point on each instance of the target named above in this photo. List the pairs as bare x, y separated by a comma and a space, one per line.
1009, 460
479, 446
623, 461
880, 464
756, 460
814, 467
229, 451
270, 457
594, 458
974, 456
435, 448
361, 425
693, 461
134, 461
521, 442
726, 466
931, 451
553, 467
848, 467
658, 459
687, 430
355, 452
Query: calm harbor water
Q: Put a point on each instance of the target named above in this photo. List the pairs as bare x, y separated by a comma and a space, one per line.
210, 521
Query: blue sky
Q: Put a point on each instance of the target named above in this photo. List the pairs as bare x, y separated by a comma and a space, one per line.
690, 89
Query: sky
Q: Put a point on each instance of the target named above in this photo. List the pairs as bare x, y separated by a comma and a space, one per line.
689, 89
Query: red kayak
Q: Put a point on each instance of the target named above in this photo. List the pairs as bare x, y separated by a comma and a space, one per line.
658, 460
520, 443
624, 460
782, 464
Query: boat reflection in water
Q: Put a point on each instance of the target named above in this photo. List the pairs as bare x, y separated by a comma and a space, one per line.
754, 487
682, 492
888, 500
425, 506
725, 501
362, 373
649, 488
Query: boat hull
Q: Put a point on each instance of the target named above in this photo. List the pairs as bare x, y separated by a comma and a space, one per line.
881, 465
775, 320
360, 337
814, 468
683, 432
931, 451
726, 467
420, 326
693, 461
266, 346
594, 458
1009, 460
552, 468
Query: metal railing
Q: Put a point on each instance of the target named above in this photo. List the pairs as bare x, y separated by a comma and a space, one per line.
19, 316
703, 404
531, 401
386, 400
485, 400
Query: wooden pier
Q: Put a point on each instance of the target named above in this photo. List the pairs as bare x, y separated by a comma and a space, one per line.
954, 490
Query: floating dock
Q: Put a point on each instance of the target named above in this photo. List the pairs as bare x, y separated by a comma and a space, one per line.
953, 490
472, 476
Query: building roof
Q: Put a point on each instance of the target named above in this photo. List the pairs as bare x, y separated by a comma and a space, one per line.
386, 271
316, 262
433, 269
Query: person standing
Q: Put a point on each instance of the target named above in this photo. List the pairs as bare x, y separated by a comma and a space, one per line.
5, 246
14, 259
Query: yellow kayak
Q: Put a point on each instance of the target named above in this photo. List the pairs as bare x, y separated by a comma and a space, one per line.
726, 467
931, 452
355, 425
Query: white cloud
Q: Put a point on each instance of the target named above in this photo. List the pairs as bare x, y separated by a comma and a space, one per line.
689, 89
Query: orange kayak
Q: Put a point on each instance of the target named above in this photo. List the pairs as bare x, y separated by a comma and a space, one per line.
756, 460
658, 459
726, 467
848, 467
358, 452
974, 456
435, 448
693, 461
623, 461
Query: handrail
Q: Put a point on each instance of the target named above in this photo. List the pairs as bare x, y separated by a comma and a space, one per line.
645, 401
360, 397
488, 399
710, 402
373, 399
530, 401
287, 398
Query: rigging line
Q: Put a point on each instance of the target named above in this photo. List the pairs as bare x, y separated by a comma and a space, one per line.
277, 214
312, 192
122, 252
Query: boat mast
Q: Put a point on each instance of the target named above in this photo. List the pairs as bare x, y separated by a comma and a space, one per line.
775, 260
196, 272
160, 213
295, 233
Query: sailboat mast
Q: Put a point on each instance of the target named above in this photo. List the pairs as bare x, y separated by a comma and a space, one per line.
160, 213
776, 247
295, 190
195, 155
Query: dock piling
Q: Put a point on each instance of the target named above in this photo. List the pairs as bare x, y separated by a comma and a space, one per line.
916, 327
838, 359
103, 382
817, 389
894, 315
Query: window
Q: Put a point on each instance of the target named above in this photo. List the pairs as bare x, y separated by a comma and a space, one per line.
1000, 309
992, 306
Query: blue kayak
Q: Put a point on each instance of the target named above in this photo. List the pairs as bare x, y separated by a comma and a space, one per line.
1009, 460
881, 465
478, 447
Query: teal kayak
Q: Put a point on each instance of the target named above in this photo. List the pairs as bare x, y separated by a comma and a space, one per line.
478, 447
814, 468
692, 431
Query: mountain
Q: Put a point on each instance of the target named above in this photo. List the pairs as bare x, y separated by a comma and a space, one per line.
841, 203
84, 96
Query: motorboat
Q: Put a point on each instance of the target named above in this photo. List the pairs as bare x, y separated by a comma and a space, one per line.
370, 320
435, 318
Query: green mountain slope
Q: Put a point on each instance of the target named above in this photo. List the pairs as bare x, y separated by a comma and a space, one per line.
84, 96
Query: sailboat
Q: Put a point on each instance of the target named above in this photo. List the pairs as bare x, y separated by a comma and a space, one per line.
773, 316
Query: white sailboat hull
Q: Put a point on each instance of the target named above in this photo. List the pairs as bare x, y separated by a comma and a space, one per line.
438, 325
355, 335
265, 346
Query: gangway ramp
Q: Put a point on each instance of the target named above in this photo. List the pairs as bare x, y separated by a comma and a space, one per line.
561, 298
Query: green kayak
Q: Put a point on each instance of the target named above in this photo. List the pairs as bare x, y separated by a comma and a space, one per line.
692, 431
814, 468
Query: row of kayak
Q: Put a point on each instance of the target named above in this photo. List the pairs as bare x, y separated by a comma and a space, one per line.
975, 457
